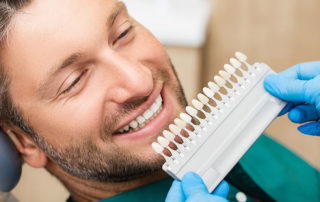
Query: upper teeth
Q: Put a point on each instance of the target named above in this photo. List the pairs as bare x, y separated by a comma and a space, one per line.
146, 117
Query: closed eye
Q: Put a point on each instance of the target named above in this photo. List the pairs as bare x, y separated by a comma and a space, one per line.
123, 34
75, 82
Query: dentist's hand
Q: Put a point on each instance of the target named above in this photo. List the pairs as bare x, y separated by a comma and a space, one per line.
192, 189
300, 85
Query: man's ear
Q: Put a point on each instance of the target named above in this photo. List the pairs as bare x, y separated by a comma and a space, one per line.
30, 152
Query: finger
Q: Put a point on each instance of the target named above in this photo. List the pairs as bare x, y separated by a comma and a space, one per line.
303, 113
175, 193
285, 88
222, 190
288, 107
193, 184
310, 128
303, 71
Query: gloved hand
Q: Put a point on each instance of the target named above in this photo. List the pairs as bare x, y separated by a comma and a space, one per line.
300, 85
192, 189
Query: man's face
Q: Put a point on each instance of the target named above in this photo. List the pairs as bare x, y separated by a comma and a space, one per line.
86, 76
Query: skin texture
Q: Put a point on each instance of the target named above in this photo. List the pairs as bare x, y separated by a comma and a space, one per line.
120, 70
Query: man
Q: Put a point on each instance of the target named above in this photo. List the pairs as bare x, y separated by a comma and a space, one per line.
85, 91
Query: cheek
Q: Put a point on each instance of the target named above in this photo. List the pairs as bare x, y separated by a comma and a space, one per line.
148, 49
70, 123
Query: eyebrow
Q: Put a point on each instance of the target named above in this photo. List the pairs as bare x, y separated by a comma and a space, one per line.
75, 57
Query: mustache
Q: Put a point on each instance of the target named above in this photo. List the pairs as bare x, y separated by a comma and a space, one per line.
112, 121
132, 104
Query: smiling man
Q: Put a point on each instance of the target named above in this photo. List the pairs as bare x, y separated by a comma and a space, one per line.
90, 90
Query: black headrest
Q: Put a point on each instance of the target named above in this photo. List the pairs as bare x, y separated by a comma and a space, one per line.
10, 164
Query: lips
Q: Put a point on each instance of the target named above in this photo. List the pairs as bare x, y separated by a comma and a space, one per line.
144, 118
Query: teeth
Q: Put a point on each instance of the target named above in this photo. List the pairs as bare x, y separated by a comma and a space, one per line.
126, 128
141, 120
134, 124
159, 99
155, 107
147, 116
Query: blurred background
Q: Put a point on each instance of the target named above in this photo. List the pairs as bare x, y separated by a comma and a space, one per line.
201, 36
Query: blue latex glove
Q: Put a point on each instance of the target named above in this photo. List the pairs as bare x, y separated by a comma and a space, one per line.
192, 189
300, 85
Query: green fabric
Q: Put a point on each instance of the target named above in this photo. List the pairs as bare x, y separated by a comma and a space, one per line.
240, 179
280, 173
155, 192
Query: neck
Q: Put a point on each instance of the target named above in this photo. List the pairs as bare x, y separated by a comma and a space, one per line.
86, 190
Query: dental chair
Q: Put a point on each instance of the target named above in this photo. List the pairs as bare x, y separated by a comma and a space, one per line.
10, 167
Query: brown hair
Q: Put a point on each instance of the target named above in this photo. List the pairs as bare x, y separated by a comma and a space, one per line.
9, 113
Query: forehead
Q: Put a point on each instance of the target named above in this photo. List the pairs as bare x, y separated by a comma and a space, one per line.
48, 30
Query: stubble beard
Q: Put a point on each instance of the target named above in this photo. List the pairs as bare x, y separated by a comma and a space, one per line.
87, 161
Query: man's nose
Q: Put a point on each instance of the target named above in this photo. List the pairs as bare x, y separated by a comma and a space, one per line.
131, 79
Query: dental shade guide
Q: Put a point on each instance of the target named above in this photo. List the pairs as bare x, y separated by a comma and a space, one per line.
219, 134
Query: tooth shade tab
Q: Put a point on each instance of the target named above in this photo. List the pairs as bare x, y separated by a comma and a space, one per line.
163, 142
225, 75
168, 135
174, 129
157, 148
208, 92
203, 98
214, 87
192, 111
198, 105
186, 117
242, 57
229, 69
180, 123
235, 63
220, 81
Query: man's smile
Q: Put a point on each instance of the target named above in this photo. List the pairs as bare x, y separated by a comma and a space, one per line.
144, 118
149, 118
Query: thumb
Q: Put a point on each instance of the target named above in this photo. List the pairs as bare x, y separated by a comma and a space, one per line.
312, 128
193, 184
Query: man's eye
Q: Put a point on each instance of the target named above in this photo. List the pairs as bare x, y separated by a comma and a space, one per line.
75, 82
123, 34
